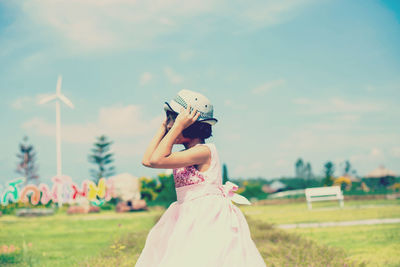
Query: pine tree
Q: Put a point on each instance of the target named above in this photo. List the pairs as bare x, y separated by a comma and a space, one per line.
27, 162
299, 168
224, 174
329, 169
347, 168
308, 171
102, 158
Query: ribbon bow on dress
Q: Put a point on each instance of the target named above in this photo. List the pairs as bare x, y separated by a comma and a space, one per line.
228, 190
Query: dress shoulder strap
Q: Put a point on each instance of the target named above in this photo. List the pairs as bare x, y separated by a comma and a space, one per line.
214, 154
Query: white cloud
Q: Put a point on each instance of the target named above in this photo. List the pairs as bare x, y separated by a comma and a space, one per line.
167, 21
27, 101
282, 163
117, 121
257, 165
20, 102
336, 105
145, 78
373, 158
348, 117
269, 13
172, 76
375, 152
331, 141
346, 106
234, 105
241, 170
232, 136
321, 146
266, 87
90, 26
395, 151
186, 55
246, 170
302, 101
129, 148
338, 123
34, 60
370, 88
98, 25
40, 127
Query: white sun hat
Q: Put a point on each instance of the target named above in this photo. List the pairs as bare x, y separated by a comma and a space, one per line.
196, 101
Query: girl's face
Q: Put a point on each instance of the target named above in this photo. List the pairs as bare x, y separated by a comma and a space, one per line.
171, 116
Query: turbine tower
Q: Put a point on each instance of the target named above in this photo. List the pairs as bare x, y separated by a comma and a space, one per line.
58, 97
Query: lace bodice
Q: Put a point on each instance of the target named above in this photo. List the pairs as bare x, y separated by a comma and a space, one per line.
189, 175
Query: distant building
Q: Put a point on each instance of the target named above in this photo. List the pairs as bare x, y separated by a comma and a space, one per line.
381, 172
126, 186
275, 186
266, 189
350, 177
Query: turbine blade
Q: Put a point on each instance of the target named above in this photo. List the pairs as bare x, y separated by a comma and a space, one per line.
47, 99
64, 99
59, 81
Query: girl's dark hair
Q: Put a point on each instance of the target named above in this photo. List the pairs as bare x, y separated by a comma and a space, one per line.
173, 114
198, 129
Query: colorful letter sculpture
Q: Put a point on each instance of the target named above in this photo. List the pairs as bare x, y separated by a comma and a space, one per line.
63, 187
97, 191
12, 191
35, 196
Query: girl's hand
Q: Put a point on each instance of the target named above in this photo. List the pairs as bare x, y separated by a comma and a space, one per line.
186, 117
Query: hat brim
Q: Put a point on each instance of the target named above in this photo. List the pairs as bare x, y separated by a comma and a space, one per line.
175, 107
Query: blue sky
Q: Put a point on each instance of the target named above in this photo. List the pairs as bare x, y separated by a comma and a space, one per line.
313, 79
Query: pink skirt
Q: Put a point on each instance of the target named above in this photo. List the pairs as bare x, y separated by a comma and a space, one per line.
202, 228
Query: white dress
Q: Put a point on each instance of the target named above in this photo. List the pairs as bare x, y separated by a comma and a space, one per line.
203, 228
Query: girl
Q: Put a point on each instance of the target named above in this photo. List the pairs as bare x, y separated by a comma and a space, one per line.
203, 228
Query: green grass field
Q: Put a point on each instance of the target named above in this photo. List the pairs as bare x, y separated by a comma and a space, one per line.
373, 245
376, 245
64, 240
111, 239
325, 211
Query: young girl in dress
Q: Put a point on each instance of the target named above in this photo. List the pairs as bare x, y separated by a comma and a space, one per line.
203, 228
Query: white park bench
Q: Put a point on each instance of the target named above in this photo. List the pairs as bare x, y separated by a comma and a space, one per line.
324, 193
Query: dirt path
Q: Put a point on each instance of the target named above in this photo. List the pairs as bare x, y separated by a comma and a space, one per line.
342, 223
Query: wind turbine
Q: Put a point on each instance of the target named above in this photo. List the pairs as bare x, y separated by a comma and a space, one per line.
58, 97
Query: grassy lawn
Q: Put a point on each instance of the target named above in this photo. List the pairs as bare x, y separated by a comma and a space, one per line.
324, 211
64, 240
111, 239
373, 245
376, 245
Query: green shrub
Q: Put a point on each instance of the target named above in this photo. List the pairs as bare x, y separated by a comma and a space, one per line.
10, 258
253, 189
107, 206
167, 192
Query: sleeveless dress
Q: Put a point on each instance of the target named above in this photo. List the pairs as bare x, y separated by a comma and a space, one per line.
203, 228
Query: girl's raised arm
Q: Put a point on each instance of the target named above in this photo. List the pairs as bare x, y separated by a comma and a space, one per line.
154, 143
192, 156
162, 156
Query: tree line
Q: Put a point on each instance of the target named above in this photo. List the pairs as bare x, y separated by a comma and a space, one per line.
101, 157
